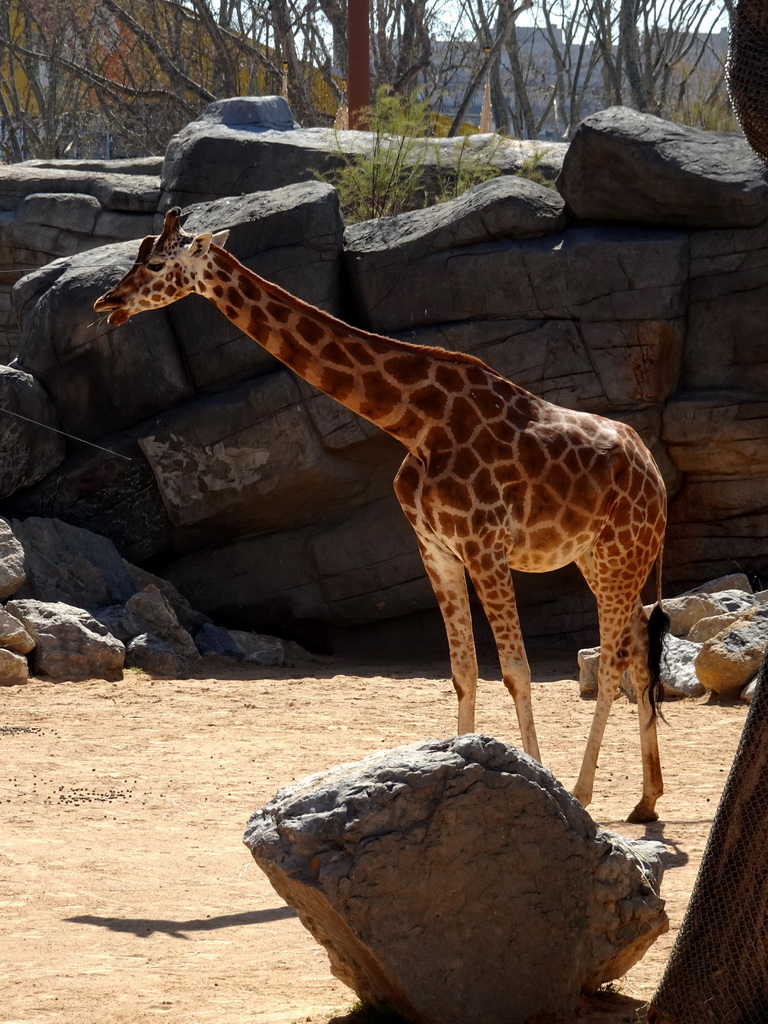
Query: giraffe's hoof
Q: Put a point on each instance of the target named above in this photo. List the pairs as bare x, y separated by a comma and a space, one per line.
641, 816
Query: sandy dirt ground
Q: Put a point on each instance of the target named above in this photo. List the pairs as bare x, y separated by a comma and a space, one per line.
126, 894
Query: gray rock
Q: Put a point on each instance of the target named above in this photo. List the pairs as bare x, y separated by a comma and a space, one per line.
718, 434
728, 661
292, 236
69, 643
100, 379
629, 166
505, 207
121, 623
733, 581
190, 618
380, 860
595, 275
217, 640
12, 573
60, 210
727, 295
14, 669
28, 449
251, 144
678, 674
146, 166
151, 608
77, 567
13, 635
209, 159
708, 627
258, 649
158, 658
685, 611
254, 112
748, 693
134, 193
251, 459
113, 495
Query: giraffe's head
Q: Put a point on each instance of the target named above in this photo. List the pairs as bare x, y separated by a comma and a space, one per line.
166, 269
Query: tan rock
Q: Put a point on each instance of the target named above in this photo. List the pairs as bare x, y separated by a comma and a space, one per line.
14, 669
727, 661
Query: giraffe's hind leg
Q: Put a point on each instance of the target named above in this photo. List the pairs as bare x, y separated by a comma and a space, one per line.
614, 659
623, 644
653, 785
617, 607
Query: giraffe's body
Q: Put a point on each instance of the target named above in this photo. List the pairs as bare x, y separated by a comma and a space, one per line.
494, 477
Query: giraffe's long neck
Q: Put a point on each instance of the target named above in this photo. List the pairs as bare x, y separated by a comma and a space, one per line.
393, 384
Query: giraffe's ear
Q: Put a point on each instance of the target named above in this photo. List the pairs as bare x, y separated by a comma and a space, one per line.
220, 238
200, 244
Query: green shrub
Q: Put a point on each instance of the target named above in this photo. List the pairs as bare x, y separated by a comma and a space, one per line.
403, 170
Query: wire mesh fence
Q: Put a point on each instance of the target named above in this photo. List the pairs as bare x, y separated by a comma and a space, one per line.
747, 71
717, 972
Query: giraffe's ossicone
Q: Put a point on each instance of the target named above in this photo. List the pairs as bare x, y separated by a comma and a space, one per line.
495, 478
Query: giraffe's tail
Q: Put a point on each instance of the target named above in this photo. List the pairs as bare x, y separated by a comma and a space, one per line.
658, 627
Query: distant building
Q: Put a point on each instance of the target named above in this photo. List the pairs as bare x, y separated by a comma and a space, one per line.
538, 50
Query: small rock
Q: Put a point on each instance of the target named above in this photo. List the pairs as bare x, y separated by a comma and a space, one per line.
259, 649
749, 691
14, 669
734, 581
678, 674
12, 573
69, 643
218, 641
13, 635
687, 609
152, 608
728, 661
120, 622
158, 658
710, 626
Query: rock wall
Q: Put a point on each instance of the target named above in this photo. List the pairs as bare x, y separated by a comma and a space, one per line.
51, 209
636, 290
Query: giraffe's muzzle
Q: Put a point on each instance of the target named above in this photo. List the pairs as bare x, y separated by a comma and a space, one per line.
118, 314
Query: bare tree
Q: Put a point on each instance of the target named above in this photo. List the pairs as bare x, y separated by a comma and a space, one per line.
76, 71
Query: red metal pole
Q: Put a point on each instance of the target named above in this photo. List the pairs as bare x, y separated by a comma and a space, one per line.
358, 61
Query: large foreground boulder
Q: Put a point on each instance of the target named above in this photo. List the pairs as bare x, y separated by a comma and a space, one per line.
458, 882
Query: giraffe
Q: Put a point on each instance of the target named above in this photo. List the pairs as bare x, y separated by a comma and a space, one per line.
494, 478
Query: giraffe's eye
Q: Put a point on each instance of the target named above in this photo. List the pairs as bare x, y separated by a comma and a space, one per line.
155, 266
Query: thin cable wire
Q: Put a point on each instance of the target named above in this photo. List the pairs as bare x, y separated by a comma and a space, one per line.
45, 426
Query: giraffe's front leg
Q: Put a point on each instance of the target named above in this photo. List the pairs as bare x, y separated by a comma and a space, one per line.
448, 578
496, 591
